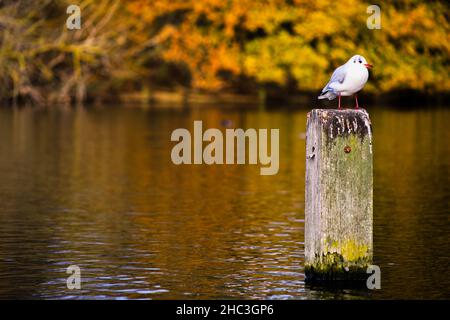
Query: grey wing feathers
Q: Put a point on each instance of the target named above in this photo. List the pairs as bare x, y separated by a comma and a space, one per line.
337, 76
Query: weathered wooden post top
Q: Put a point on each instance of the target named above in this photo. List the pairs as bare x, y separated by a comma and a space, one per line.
339, 195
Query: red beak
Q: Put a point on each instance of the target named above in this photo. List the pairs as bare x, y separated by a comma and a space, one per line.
368, 65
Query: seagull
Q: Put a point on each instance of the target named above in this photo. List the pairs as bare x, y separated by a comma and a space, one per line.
347, 80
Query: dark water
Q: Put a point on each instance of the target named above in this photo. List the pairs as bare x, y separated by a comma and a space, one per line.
96, 188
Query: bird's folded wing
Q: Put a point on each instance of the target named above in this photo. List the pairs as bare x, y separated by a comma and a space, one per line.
339, 74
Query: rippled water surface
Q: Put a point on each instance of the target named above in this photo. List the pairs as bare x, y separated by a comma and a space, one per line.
96, 188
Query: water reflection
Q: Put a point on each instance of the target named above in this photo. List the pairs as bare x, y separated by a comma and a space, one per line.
96, 188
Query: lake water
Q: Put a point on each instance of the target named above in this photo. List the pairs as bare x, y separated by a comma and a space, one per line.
95, 187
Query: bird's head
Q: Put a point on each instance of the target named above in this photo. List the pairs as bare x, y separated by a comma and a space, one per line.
358, 59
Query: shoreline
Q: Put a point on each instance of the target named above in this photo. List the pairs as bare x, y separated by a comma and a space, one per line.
184, 98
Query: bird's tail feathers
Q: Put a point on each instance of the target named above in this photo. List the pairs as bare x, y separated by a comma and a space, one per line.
327, 95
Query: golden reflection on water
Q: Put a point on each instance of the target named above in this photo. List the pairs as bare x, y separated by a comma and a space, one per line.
96, 187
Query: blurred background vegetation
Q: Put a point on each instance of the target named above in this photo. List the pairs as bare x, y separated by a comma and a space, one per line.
136, 48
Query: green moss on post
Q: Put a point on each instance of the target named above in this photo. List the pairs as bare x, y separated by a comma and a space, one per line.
339, 195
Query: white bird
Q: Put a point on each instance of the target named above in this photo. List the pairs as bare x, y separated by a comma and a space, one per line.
347, 80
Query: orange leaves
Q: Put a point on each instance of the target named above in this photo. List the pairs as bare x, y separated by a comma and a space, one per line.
285, 42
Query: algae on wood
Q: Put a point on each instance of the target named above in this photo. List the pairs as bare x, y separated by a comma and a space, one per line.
339, 195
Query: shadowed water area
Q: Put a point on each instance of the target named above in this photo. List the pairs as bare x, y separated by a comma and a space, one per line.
96, 187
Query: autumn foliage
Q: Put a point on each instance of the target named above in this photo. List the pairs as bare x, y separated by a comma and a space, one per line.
217, 45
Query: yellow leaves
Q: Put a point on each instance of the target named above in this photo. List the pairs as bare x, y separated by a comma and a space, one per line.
274, 41
413, 49
268, 16
275, 58
317, 25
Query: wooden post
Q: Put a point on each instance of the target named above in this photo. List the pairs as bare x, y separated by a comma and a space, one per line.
339, 195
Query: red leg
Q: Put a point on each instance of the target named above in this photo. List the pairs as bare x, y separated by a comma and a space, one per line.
356, 99
339, 101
